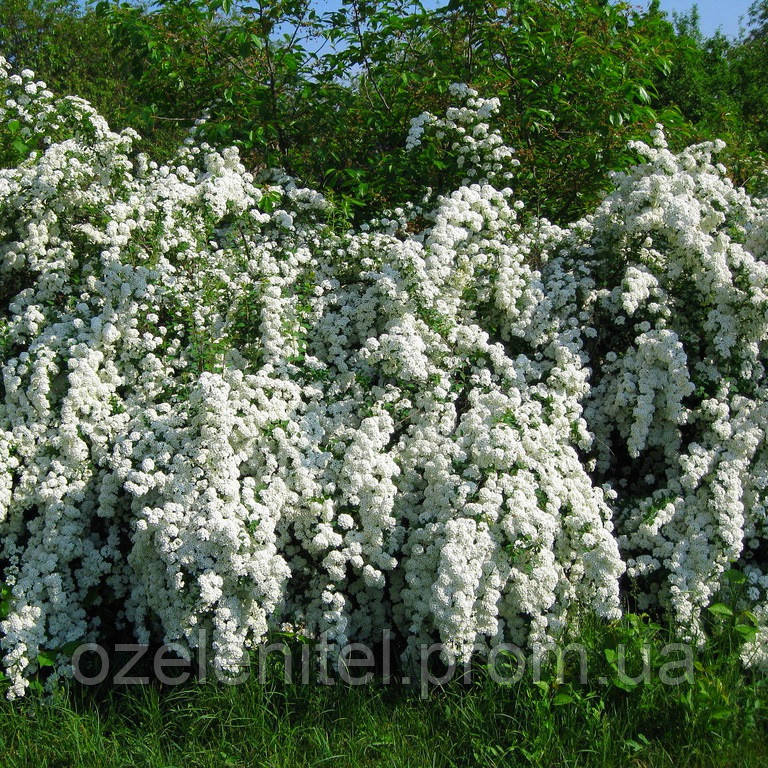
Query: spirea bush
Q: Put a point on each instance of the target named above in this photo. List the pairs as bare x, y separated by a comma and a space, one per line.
220, 410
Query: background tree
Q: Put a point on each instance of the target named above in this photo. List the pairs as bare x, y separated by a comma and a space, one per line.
329, 96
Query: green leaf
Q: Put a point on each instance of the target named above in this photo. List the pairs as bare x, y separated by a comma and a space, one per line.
625, 684
719, 609
750, 617
69, 648
734, 576
746, 631
46, 658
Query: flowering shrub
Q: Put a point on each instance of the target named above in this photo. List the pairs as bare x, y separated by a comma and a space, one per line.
221, 411
667, 284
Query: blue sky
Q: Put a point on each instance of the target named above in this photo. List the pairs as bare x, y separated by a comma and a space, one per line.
714, 13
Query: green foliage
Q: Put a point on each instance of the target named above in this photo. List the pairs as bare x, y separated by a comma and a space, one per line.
717, 718
575, 81
329, 96
67, 45
5, 593
721, 87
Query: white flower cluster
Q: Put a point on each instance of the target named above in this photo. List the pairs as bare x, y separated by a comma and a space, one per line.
217, 412
667, 284
477, 150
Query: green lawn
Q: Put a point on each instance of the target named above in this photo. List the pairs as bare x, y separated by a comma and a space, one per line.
720, 719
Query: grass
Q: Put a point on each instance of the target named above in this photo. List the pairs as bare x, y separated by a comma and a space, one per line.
720, 718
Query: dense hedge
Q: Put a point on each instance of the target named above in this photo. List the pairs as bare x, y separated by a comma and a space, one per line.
328, 95
222, 408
